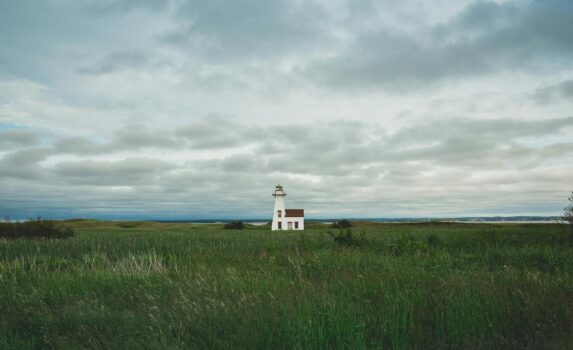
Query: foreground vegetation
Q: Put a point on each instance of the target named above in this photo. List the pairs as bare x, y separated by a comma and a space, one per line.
397, 286
34, 229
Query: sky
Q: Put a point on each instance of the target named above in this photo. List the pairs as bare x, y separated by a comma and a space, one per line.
190, 109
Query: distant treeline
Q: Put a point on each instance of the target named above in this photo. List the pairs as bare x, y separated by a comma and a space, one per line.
404, 219
33, 229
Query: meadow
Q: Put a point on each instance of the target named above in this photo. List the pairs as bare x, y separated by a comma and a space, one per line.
136, 285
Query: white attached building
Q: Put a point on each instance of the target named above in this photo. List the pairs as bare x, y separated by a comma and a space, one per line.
286, 219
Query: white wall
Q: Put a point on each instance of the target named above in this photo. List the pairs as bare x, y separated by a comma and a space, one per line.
293, 220
284, 221
279, 205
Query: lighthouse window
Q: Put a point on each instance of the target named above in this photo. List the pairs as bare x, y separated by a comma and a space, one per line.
279, 213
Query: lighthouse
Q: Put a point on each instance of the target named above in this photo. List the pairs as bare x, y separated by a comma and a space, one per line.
285, 219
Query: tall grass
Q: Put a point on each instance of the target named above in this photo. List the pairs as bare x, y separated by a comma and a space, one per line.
34, 229
194, 286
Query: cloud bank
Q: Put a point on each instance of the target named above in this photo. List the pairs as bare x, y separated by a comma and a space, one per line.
193, 109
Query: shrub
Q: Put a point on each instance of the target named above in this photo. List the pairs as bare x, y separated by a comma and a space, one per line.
344, 239
234, 225
128, 224
433, 240
341, 224
568, 216
411, 246
34, 229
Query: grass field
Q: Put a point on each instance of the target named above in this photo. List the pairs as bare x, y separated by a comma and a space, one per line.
396, 286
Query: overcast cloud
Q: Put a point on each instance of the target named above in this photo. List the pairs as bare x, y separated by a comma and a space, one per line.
197, 108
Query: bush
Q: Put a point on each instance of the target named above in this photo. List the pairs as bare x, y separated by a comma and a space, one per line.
433, 240
34, 229
344, 239
411, 246
341, 224
128, 224
234, 225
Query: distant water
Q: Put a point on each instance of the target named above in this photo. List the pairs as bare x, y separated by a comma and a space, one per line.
470, 220
512, 222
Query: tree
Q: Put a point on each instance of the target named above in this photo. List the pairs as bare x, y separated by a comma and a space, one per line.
341, 224
234, 225
568, 215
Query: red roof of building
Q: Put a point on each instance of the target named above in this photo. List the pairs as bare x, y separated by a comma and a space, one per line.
294, 213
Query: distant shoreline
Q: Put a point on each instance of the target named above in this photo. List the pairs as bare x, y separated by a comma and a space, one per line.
492, 219
469, 220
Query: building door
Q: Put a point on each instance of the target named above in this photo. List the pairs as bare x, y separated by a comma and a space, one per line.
290, 225
296, 225
280, 225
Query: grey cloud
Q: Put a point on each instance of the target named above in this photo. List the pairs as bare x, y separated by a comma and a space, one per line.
566, 88
336, 132
78, 145
106, 7
394, 61
26, 156
493, 129
361, 173
129, 138
549, 94
141, 137
23, 164
18, 138
214, 133
337, 148
556, 150
485, 38
239, 163
479, 143
481, 16
127, 172
126, 60
223, 29
201, 135
463, 143
468, 151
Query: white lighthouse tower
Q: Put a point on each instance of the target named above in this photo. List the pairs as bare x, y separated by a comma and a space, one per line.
285, 219
279, 211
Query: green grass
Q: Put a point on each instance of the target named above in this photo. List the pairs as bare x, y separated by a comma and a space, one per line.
401, 286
